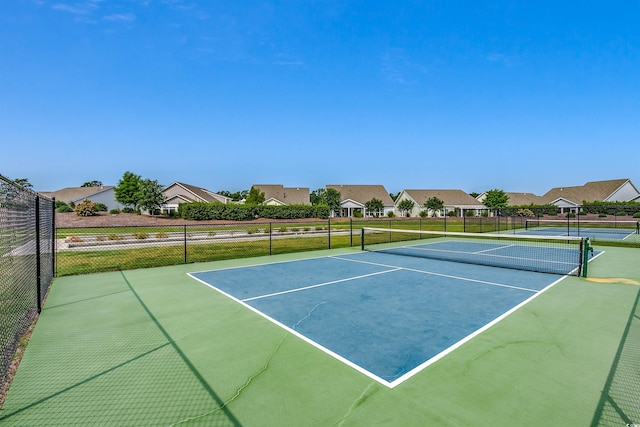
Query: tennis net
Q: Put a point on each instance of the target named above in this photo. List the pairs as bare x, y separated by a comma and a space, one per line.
577, 227
545, 254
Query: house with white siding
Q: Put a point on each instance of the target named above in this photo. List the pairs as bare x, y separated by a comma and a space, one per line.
278, 195
353, 198
179, 192
453, 201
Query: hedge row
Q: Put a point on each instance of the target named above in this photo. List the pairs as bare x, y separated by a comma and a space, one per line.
538, 210
235, 212
611, 208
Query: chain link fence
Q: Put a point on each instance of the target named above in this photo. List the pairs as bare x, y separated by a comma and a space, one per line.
97, 249
26, 265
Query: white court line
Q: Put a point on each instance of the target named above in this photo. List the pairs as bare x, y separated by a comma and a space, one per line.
432, 273
320, 284
493, 249
417, 369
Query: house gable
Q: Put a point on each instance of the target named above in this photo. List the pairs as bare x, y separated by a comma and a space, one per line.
193, 193
277, 194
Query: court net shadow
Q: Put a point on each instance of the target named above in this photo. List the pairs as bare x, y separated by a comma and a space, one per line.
620, 401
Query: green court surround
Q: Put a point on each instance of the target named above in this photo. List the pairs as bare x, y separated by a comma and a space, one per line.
155, 347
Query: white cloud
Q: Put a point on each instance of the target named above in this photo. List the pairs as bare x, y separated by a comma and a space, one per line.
123, 17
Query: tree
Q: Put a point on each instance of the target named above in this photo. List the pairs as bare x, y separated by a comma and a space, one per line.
92, 184
374, 207
406, 206
150, 196
394, 196
496, 199
474, 194
255, 197
332, 198
85, 208
433, 204
128, 190
237, 196
24, 183
326, 196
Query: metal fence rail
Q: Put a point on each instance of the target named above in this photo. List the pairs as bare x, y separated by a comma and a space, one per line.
96, 249
26, 264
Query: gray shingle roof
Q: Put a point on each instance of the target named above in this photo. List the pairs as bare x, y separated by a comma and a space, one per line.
363, 193
286, 195
449, 197
71, 194
590, 192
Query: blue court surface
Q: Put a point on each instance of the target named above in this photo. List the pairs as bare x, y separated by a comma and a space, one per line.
385, 315
593, 233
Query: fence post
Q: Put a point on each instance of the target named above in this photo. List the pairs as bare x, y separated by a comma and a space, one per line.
464, 220
185, 243
350, 232
53, 238
270, 239
329, 233
37, 249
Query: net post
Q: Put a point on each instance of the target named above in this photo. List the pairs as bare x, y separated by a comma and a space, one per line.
585, 246
37, 250
53, 237
362, 238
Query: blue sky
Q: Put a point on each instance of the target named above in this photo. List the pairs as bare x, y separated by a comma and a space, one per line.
515, 95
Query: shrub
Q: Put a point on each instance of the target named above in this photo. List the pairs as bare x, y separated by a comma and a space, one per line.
101, 207
64, 208
423, 214
357, 214
636, 215
452, 213
86, 208
391, 214
101, 238
128, 210
74, 239
602, 215
571, 215
525, 213
140, 236
114, 236
283, 229
161, 235
621, 213
115, 211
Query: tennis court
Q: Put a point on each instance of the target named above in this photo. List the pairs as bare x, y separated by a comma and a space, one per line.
597, 230
339, 337
342, 304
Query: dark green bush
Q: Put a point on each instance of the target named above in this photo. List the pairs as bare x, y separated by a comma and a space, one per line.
237, 212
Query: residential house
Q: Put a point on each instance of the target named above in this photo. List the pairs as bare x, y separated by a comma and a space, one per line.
104, 194
454, 201
517, 199
179, 192
353, 198
569, 199
278, 195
